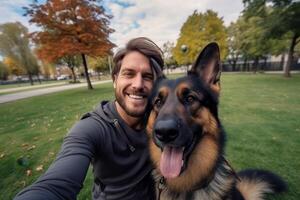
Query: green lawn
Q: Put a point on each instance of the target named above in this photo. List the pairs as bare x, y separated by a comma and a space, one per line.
261, 114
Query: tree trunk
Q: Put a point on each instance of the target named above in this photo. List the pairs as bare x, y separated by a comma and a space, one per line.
255, 64
245, 65
38, 77
98, 73
90, 87
287, 66
30, 78
233, 65
264, 66
282, 61
73, 74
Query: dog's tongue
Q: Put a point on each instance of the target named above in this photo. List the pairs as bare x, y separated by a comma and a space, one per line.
171, 161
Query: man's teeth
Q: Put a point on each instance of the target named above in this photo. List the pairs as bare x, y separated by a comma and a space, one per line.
135, 96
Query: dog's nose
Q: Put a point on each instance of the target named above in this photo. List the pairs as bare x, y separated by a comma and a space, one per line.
166, 130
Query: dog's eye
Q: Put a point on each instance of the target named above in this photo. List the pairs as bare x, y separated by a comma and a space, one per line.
158, 102
190, 99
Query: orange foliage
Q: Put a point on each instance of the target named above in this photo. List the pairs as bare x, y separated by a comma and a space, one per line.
70, 27
13, 67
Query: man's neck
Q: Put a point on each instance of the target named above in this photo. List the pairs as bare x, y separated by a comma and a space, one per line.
133, 122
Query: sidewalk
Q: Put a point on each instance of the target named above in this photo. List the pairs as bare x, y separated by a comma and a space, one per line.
26, 94
15, 89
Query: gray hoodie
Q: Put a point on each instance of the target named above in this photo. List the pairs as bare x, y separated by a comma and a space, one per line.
119, 156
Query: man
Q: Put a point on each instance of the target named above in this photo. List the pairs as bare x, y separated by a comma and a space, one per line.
112, 137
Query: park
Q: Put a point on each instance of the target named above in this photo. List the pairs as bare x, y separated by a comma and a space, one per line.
43, 94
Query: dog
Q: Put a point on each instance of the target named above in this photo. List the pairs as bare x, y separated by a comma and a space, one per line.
187, 140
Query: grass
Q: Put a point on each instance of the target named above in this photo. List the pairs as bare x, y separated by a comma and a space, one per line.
260, 113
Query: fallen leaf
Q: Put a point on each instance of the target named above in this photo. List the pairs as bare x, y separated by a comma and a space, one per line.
25, 145
39, 168
2, 155
28, 172
30, 148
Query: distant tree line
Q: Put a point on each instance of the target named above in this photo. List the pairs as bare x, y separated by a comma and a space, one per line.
70, 31
264, 28
76, 34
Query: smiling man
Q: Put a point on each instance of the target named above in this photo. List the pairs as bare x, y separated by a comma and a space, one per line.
112, 138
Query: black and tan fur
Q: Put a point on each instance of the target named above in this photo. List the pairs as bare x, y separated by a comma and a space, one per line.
184, 113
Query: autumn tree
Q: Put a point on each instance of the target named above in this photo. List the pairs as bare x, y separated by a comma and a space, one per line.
99, 64
69, 28
72, 62
3, 71
13, 67
48, 70
14, 44
198, 30
281, 19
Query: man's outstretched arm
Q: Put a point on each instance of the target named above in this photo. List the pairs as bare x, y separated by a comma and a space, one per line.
64, 178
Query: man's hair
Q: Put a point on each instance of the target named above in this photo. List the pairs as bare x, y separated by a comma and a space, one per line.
144, 46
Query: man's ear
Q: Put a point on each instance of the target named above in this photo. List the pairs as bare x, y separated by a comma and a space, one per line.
114, 81
208, 66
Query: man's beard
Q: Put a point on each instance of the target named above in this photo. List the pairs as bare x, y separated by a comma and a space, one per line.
130, 112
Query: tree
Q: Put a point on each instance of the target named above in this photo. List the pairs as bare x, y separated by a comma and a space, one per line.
246, 39
72, 62
3, 71
48, 70
234, 43
69, 28
281, 18
198, 30
168, 55
99, 64
13, 67
14, 44
253, 45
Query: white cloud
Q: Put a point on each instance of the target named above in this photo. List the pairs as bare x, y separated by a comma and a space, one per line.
11, 11
159, 20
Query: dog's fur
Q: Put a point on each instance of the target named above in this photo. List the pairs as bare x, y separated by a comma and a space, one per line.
184, 120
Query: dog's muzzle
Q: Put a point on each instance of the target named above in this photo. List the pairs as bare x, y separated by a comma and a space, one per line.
166, 131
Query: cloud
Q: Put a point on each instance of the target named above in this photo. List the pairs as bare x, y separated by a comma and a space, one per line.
12, 11
159, 20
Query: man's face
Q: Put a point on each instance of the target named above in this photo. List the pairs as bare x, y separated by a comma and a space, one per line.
133, 84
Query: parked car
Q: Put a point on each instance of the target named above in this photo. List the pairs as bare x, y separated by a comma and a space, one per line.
62, 77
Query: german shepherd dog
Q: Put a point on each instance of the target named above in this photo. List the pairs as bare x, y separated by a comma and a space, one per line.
187, 140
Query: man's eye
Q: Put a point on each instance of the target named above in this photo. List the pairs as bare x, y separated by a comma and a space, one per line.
128, 74
148, 77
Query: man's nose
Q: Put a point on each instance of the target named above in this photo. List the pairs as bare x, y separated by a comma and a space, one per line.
138, 82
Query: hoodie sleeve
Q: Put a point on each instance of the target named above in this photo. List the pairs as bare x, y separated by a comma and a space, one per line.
64, 178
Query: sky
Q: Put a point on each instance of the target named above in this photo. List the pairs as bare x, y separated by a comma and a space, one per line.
160, 20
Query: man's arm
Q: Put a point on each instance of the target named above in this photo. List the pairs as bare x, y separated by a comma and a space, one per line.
64, 178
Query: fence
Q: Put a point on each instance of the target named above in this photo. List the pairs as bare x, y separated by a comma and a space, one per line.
261, 66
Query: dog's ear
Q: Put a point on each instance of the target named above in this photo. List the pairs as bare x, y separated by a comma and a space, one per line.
208, 66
